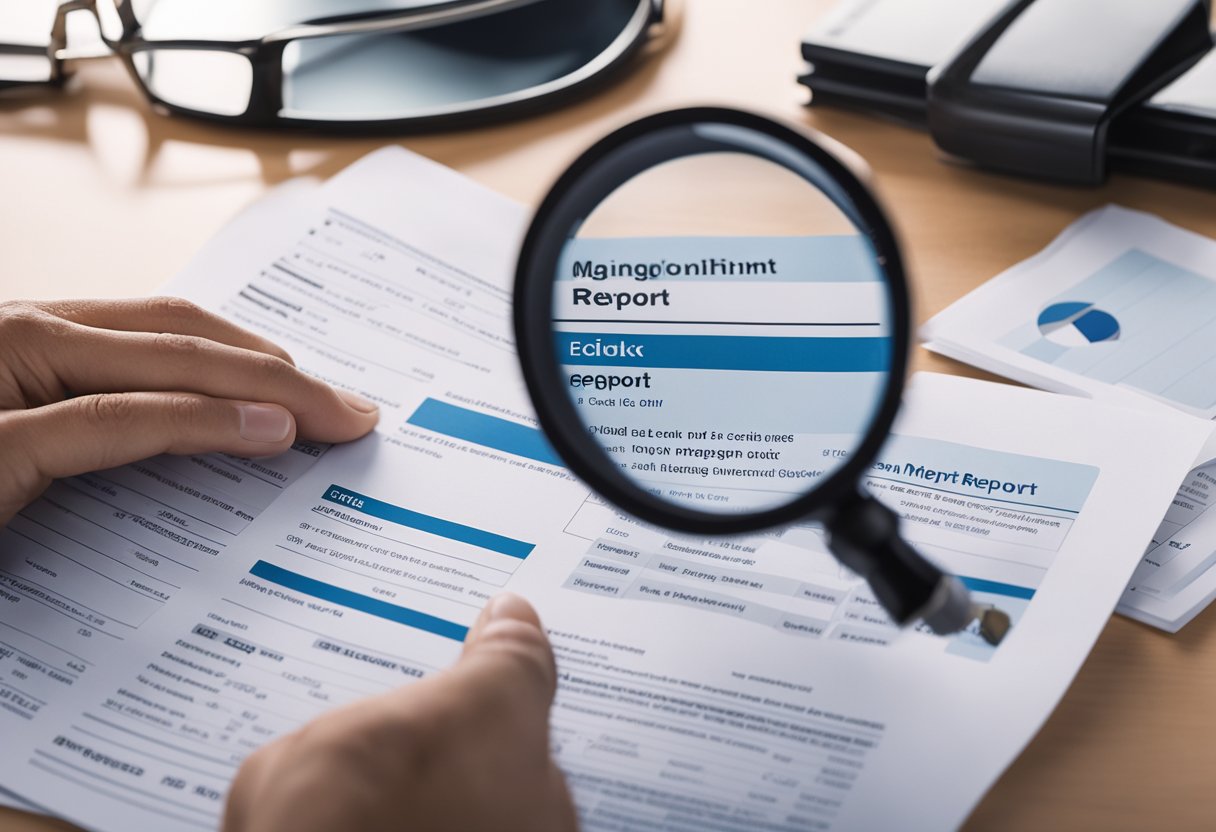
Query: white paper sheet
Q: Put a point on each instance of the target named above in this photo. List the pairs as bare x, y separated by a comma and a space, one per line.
738, 682
1136, 303
14, 801
1193, 93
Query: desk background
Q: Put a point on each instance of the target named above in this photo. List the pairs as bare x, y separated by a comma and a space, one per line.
100, 197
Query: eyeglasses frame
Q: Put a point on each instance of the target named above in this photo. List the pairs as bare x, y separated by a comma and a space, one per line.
265, 55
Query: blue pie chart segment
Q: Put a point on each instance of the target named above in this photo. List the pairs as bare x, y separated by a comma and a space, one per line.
1076, 324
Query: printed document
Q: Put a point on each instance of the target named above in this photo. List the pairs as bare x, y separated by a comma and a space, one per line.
733, 683
1121, 308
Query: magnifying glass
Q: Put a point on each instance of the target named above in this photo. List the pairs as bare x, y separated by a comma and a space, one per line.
713, 321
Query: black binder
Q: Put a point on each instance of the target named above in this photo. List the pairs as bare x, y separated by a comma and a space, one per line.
1063, 90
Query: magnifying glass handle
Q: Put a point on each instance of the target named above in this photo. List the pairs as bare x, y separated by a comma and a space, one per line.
863, 534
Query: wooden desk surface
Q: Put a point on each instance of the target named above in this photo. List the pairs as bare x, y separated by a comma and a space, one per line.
102, 198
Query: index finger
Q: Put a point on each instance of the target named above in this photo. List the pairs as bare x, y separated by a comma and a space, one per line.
88, 360
160, 315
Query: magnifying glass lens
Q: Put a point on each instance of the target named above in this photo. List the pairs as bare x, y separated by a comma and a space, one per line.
712, 320
723, 330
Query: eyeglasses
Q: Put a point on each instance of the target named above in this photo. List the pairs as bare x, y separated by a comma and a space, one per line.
398, 64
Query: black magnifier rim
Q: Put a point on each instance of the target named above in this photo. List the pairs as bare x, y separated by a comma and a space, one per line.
600, 170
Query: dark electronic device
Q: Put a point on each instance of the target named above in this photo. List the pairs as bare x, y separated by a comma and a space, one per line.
1063, 90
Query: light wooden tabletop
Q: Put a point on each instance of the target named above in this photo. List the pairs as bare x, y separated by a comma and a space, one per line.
102, 198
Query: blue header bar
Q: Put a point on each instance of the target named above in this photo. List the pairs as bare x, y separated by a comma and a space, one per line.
439, 527
353, 600
485, 430
726, 352
997, 588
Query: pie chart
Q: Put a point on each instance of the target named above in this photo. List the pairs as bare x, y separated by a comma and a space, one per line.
1077, 324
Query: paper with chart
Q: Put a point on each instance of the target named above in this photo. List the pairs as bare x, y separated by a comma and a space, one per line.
329, 274
741, 683
1122, 308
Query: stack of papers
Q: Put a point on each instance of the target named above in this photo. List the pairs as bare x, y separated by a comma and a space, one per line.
733, 684
1120, 308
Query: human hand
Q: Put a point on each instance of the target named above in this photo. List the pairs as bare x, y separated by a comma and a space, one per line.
93, 384
466, 749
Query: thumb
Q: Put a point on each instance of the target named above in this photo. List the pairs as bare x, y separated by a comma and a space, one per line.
508, 668
509, 633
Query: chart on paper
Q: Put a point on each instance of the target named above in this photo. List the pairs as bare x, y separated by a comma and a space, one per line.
1140, 322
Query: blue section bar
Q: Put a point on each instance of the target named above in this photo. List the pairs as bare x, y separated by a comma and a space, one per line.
355, 601
726, 352
997, 588
483, 429
354, 501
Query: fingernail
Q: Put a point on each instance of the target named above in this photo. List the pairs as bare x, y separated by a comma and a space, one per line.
264, 423
508, 605
504, 607
358, 402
